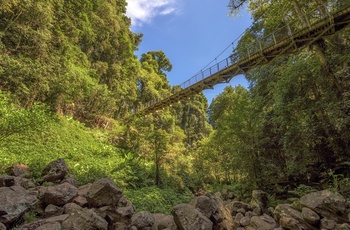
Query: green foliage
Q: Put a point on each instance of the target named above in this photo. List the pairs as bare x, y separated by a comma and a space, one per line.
18, 120
76, 57
156, 200
302, 190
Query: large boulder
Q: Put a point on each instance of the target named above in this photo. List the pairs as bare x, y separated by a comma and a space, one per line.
59, 194
165, 222
204, 205
14, 202
259, 201
143, 220
103, 192
310, 216
188, 217
263, 222
55, 171
285, 210
327, 204
85, 219
19, 170
213, 208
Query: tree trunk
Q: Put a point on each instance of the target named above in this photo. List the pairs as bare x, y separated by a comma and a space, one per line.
320, 52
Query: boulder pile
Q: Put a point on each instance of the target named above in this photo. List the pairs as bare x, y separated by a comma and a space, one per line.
101, 205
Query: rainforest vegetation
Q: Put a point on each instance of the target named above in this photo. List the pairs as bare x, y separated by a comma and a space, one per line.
69, 82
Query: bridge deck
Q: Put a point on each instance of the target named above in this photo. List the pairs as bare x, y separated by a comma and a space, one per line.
267, 49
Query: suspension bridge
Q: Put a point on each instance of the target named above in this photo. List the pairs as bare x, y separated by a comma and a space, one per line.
317, 24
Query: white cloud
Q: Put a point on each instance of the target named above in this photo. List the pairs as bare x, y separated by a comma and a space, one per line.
143, 11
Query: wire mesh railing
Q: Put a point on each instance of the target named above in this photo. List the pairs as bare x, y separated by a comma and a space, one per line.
256, 45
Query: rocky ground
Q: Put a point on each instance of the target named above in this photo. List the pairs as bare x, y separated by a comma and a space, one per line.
101, 205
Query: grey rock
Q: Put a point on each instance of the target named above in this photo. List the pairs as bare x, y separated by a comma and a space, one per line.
188, 217
119, 226
203, 204
328, 224
50, 226
2, 226
344, 226
326, 204
245, 221
53, 210
285, 210
19, 170
71, 207
167, 222
103, 192
7, 181
290, 223
310, 216
83, 190
143, 220
85, 219
59, 194
263, 222
260, 200
55, 171
14, 202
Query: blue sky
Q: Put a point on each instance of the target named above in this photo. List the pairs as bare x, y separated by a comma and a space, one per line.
192, 33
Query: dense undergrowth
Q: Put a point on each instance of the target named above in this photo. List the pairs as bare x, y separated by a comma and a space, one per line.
87, 152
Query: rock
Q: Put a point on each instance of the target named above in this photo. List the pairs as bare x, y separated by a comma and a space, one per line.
260, 200
250, 214
238, 217
213, 208
7, 181
55, 171
58, 219
341, 227
237, 205
81, 201
69, 178
328, 224
53, 210
19, 170
143, 220
71, 207
188, 217
119, 226
290, 223
326, 204
227, 194
167, 222
263, 222
83, 190
84, 219
14, 202
285, 210
50, 226
120, 214
59, 194
2, 226
242, 210
103, 192
32, 226
245, 221
310, 216
203, 204
123, 202
221, 217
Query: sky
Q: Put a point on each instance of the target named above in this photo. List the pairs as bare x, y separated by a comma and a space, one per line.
191, 33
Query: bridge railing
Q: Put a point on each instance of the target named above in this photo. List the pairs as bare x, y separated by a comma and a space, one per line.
257, 44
